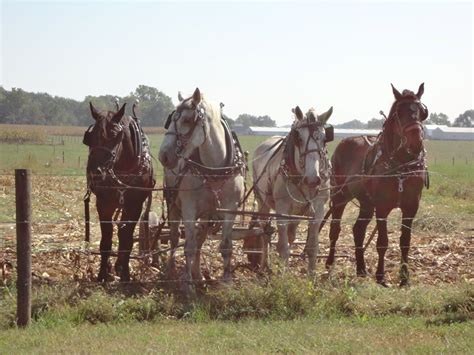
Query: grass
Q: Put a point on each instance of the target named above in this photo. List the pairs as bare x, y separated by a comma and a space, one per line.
284, 314
388, 334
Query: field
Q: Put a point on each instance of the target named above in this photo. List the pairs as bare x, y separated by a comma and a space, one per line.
286, 313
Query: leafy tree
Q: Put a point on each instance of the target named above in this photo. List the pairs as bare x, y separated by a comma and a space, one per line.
465, 119
439, 119
375, 123
352, 124
248, 120
18, 106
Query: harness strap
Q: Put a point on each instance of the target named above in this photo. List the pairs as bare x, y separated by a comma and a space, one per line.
280, 141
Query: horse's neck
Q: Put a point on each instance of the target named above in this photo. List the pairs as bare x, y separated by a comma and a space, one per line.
213, 151
390, 140
126, 157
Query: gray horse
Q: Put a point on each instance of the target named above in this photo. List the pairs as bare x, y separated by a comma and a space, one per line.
209, 179
291, 176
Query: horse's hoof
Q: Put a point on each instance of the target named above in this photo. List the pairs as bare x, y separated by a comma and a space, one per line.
404, 283
362, 273
125, 276
383, 283
188, 289
103, 275
329, 265
227, 279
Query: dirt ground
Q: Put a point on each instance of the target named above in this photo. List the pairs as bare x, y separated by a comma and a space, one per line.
59, 253
442, 248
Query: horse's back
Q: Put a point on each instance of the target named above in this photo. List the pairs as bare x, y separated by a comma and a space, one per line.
265, 165
263, 153
348, 157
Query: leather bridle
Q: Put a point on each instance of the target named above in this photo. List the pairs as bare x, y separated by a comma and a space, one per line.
420, 112
182, 139
107, 166
313, 130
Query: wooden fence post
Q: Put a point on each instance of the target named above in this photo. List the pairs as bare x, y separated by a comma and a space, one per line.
23, 246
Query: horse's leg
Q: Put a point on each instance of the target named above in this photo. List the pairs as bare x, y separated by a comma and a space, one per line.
335, 229
201, 237
190, 248
408, 213
258, 244
283, 247
129, 219
365, 215
312, 246
174, 221
105, 209
382, 243
292, 226
226, 246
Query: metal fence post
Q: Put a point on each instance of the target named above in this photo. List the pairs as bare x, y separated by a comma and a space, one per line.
23, 245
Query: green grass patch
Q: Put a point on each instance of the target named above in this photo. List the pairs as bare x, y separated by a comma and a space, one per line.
277, 298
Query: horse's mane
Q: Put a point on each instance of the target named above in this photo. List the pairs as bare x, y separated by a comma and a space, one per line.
212, 108
311, 115
407, 95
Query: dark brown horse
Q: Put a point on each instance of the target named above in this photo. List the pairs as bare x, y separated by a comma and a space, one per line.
382, 173
119, 173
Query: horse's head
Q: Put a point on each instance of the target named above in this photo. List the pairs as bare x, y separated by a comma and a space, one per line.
309, 136
406, 117
105, 141
186, 130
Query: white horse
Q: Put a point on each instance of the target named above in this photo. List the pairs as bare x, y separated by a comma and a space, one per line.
292, 177
211, 178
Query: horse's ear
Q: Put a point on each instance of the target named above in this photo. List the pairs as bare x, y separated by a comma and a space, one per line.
196, 97
180, 96
421, 90
119, 115
298, 113
396, 93
324, 117
94, 112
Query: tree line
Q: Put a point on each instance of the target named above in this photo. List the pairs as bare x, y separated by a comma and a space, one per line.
465, 119
21, 107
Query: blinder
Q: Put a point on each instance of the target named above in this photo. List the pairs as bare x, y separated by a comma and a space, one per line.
424, 112
328, 134
87, 140
168, 120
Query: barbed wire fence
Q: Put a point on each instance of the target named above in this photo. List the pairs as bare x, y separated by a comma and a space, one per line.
426, 224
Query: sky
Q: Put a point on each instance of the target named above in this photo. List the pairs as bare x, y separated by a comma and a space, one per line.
260, 57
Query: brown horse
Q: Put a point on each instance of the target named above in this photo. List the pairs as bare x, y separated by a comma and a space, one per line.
382, 173
119, 173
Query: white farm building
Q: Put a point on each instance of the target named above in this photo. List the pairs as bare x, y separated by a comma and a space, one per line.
435, 132
441, 132
338, 132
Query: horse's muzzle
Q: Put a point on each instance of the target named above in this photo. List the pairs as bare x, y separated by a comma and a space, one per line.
168, 160
312, 182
